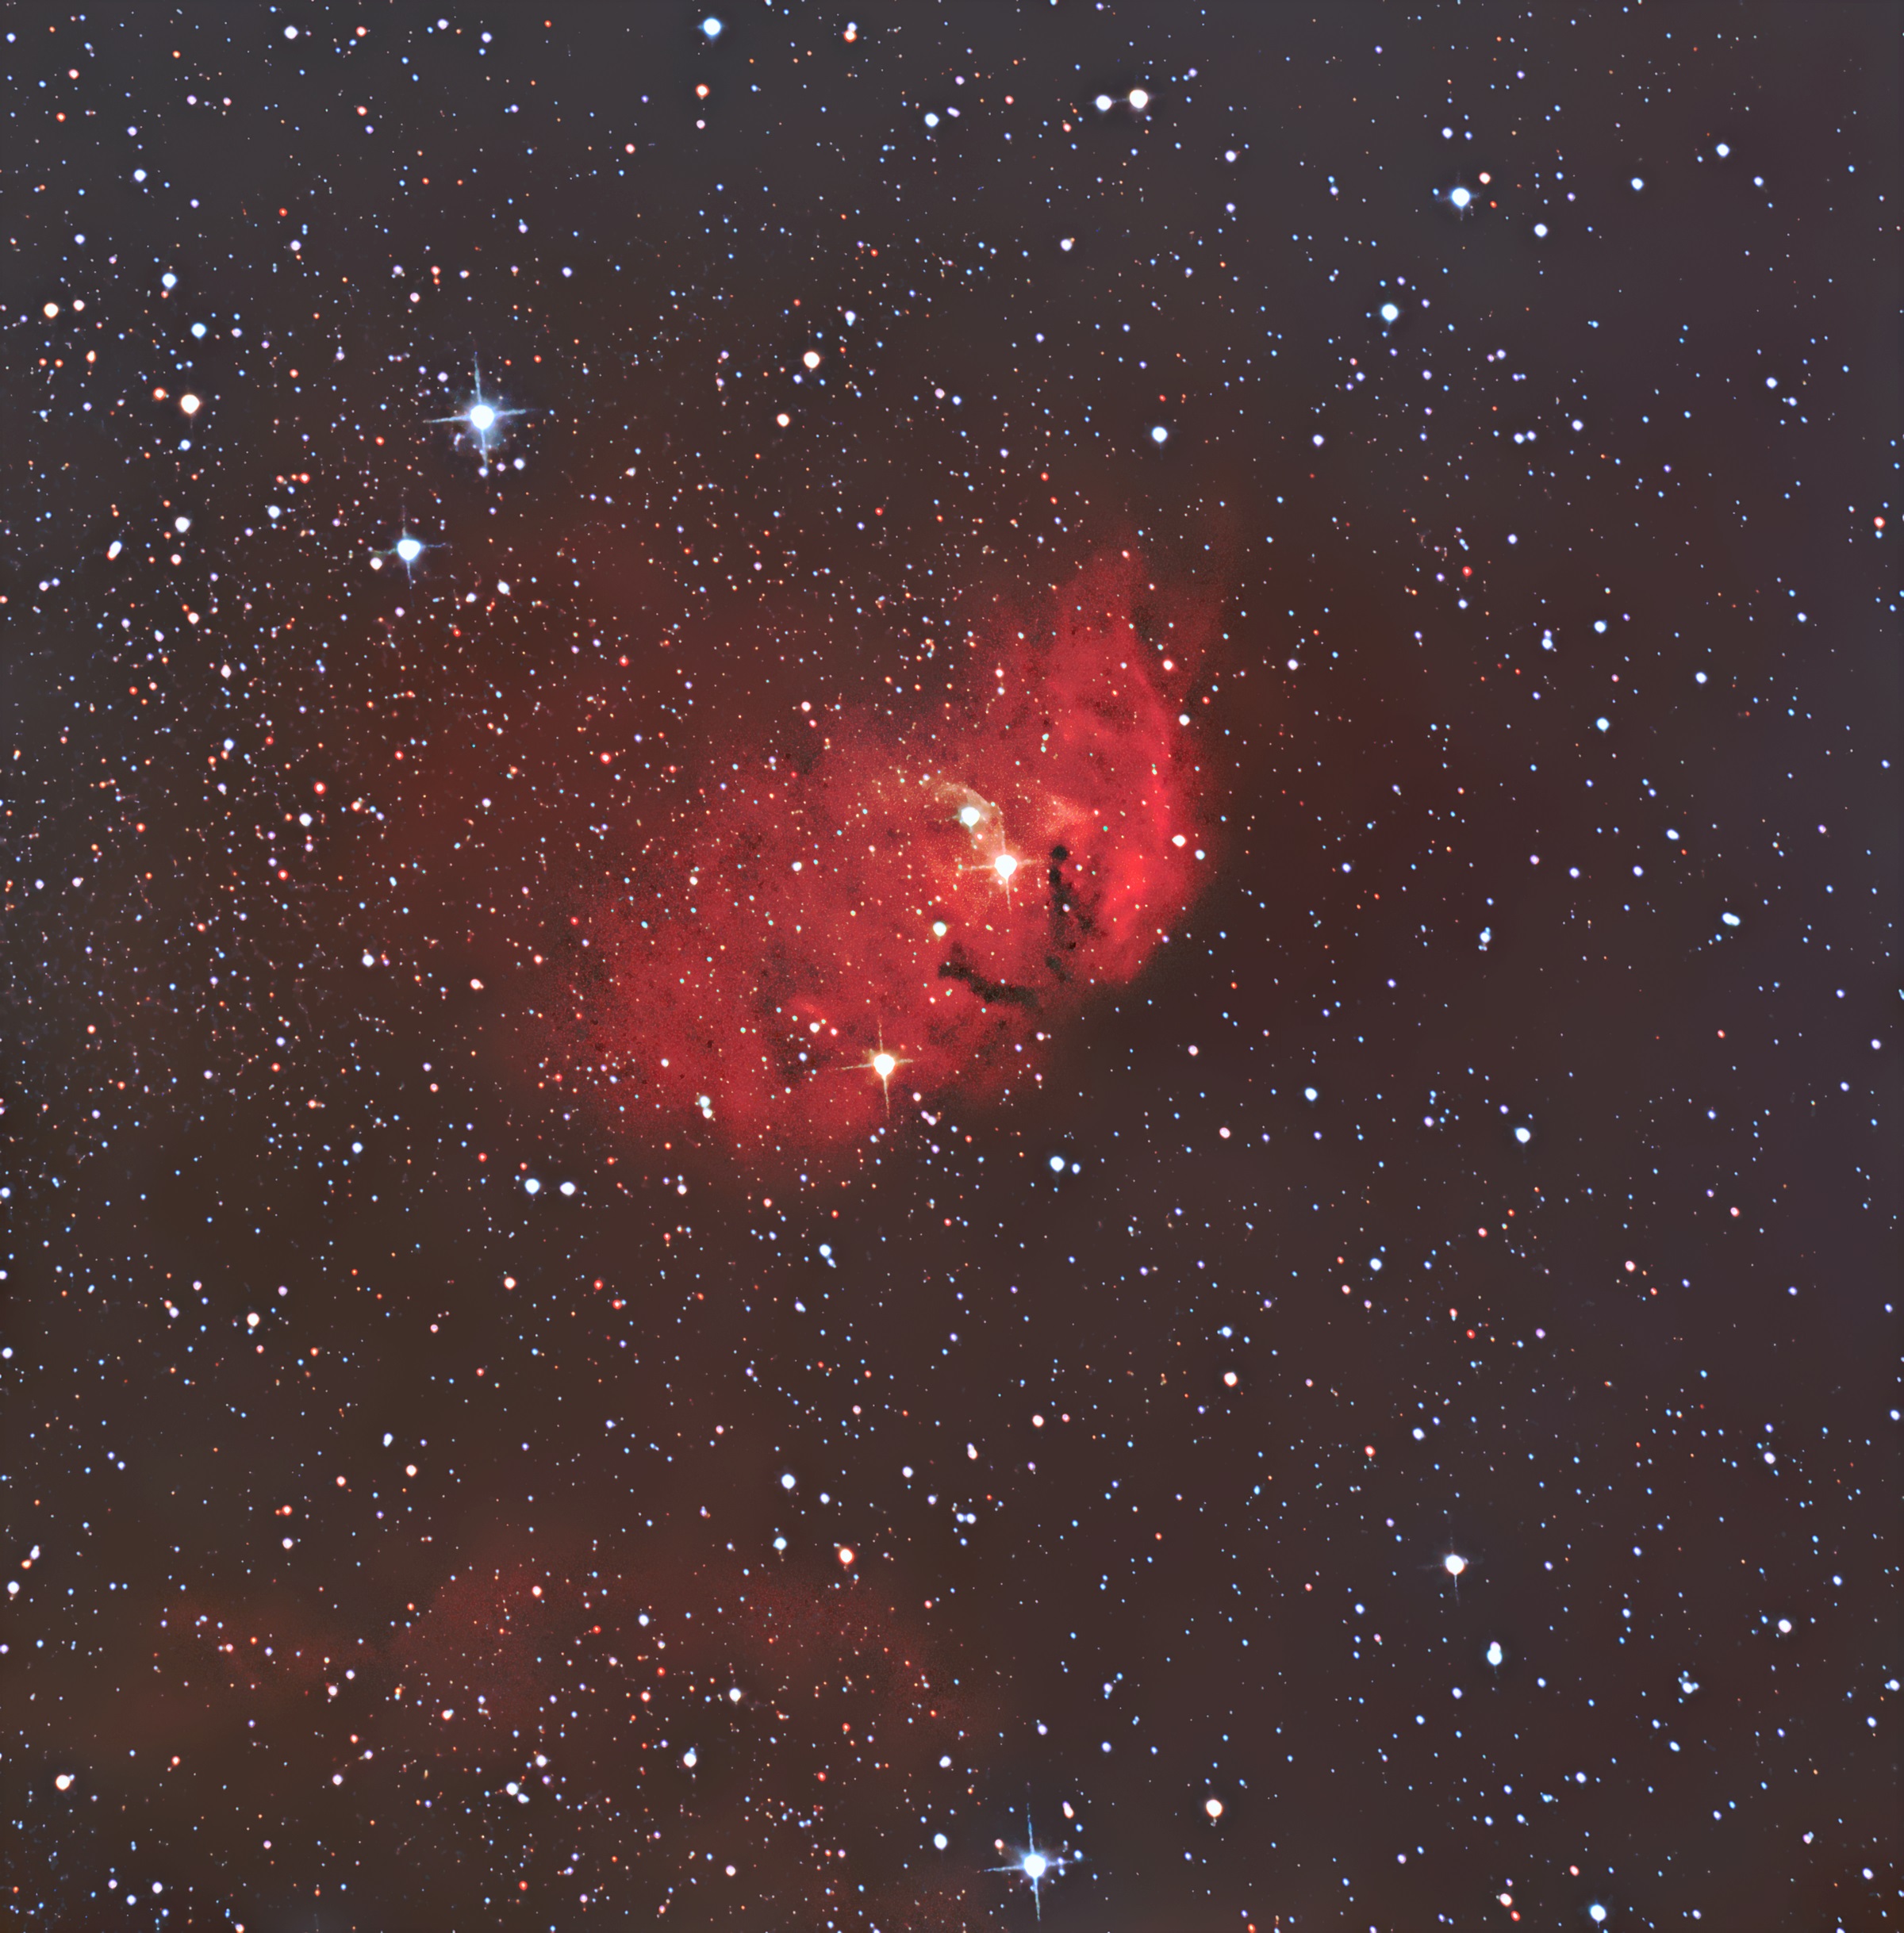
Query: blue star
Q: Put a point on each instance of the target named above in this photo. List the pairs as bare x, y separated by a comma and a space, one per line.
483, 417
408, 550
1035, 1867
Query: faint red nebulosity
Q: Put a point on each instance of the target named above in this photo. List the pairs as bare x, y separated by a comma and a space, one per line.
669, 1710
597, 1722
914, 909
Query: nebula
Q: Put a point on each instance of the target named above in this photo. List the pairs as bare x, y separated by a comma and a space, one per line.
908, 912
689, 1728
631, 1731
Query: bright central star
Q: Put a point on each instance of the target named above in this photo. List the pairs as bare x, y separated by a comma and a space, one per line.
1004, 866
885, 1064
482, 418
1033, 1867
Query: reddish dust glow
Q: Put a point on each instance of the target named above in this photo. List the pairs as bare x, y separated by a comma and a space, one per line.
916, 910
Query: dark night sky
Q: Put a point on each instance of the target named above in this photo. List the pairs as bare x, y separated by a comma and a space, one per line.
1340, 1371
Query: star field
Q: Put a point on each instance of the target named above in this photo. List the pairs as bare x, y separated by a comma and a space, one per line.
945, 959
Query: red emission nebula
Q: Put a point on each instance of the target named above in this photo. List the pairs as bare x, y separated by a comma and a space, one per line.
913, 909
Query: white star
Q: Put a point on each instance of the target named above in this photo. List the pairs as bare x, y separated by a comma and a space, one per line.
485, 418
407, 550
885, 1064
1036, 1867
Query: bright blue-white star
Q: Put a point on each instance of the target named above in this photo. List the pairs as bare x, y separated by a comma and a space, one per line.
1034, 1867
1459, 197
408, 550
483, 418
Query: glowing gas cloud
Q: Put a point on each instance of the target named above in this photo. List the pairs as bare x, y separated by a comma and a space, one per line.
912, 910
